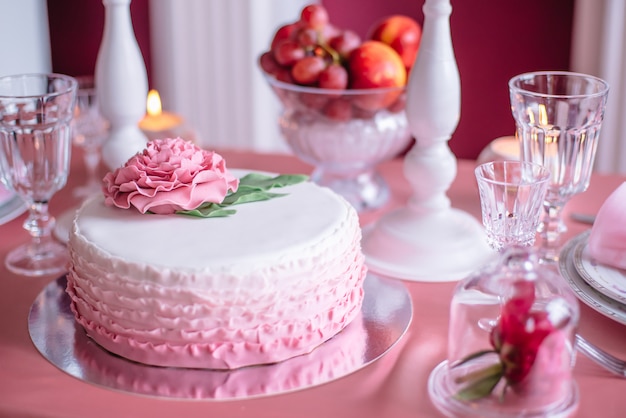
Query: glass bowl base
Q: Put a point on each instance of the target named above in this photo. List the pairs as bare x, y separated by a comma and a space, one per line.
38, 259
364, 191
442, 395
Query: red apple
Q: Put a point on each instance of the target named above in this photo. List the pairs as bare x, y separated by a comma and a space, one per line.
374, 64
402, 33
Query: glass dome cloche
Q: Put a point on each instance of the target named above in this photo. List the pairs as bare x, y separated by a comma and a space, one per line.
511, 343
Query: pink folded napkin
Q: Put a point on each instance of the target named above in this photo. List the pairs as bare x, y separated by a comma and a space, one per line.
607, 240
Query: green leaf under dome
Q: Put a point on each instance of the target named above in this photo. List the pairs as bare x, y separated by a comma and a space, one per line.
253, 187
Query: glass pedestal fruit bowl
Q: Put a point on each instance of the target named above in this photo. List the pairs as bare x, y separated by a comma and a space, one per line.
345, 134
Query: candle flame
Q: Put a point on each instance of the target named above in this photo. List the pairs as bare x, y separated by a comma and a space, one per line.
153, 103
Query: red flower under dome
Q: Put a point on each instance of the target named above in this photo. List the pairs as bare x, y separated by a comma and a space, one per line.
516, 338
519, 333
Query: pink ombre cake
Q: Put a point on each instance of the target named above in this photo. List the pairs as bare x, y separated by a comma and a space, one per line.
273, 281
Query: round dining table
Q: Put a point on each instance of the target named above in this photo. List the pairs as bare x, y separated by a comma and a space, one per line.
394, 385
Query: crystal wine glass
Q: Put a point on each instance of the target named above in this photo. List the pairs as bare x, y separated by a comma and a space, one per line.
511, 197
35, 143
558, 117
89, 130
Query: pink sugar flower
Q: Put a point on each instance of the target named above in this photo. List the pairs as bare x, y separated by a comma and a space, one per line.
170, 175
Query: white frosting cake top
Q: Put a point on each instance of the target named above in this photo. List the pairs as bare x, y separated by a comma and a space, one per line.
258, 231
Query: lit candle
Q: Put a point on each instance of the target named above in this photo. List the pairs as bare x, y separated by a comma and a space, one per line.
157, 123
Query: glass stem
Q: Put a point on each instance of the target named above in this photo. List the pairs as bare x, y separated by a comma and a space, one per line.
39, 224
551, 230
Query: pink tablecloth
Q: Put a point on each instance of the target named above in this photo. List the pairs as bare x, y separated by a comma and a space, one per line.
394, 386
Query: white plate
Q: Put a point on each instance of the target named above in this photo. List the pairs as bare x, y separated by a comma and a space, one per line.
609, 281
386, 314
587, 294
11, 205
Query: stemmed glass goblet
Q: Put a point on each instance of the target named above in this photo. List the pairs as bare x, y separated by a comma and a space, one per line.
89, 130
35, 144
558, 117
511, 199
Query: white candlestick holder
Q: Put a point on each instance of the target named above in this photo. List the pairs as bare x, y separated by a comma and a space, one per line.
428, 240
122, 84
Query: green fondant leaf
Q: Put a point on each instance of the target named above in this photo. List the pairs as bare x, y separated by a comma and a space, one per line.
253, 187
264, 182
249, 196
208, 210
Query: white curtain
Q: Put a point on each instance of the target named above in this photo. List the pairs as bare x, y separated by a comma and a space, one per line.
25, 47
599, 48
205, 67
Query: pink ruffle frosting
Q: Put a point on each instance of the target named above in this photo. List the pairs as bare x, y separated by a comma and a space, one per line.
207, 335
330, 361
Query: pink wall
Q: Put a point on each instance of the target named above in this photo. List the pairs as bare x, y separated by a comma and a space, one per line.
493, 40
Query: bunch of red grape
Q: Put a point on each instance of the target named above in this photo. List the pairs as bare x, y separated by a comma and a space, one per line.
311, 52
